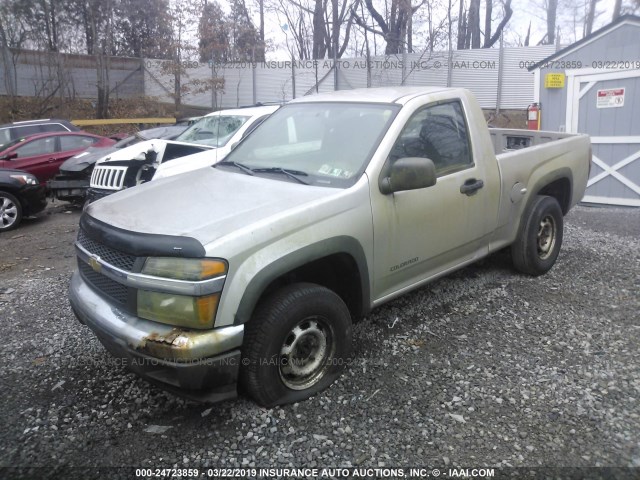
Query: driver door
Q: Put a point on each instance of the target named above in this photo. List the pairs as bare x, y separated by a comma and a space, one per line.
419, 234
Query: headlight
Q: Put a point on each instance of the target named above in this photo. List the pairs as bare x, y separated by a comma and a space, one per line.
193, 269
25, 179
179, 310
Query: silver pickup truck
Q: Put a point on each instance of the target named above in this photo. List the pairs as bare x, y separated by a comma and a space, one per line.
251, 272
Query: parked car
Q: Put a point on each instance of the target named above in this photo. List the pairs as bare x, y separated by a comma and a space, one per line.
15, 130
72, 182
42, 154
252, 271
21, 195
204, 143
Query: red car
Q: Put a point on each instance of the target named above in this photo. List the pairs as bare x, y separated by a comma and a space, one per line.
42, 154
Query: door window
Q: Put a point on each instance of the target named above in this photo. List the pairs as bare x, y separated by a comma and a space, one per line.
73, 142
27, 130
53, 127
438, 132
40, 146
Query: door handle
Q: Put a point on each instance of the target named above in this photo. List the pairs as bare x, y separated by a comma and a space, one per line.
51, 160
471, 186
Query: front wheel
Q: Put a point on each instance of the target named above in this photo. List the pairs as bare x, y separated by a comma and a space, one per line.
540, 237
10, 211
296, 345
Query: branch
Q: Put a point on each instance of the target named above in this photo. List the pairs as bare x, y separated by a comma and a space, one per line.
377, 17
507, 15
346, 37
363, 24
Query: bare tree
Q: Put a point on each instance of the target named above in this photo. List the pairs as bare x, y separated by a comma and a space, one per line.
393, 25
591, 13
462, 25
320, 28
473, 25
490, 40
13, 35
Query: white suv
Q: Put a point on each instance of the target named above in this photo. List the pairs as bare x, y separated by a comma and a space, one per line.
204, 143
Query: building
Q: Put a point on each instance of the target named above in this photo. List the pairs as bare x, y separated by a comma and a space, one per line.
593, 87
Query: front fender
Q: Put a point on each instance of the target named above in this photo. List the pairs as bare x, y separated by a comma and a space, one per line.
290, 261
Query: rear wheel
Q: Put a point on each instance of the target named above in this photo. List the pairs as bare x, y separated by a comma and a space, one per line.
538, 244
10, 211
296, 345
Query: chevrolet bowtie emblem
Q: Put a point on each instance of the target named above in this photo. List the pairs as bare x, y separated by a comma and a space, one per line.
95, 264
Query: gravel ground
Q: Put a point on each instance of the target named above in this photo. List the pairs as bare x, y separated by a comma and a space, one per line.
483, 368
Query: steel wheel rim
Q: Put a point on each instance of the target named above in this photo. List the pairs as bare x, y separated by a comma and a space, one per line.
304, 353
8, 212
546, 238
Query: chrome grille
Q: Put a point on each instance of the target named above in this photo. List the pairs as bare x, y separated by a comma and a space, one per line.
110, 288
108, 178
114, 257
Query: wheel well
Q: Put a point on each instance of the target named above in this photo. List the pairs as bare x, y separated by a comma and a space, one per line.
7, 189
560, 190
337, 272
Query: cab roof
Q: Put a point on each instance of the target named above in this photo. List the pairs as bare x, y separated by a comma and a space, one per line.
399, 95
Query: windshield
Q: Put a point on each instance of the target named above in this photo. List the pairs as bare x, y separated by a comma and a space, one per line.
214, 130
12, 143
329, 143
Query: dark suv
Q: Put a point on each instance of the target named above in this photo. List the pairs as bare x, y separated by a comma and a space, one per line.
11, 131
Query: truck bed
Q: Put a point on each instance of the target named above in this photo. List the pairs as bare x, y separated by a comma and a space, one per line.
552, 156
509, 139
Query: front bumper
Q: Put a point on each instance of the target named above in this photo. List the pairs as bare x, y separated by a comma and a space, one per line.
33, 199
94, 194
202, 365
68, 188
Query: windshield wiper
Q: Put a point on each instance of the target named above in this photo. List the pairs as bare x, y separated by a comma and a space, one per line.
295, 174
238, 165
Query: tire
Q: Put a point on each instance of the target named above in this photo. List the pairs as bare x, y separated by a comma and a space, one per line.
296, 345
540, 237
10, 211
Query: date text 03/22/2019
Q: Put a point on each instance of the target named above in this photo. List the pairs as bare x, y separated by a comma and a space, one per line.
356, 472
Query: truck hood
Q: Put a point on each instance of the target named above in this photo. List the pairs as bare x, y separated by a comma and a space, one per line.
205, 204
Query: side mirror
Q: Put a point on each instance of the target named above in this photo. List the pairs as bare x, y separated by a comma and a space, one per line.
233, 146
409, 173
9, 156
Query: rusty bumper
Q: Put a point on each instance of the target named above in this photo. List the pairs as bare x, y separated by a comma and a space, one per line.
202, 365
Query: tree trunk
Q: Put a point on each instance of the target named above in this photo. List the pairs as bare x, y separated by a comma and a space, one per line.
462, 26
588, 24
335, 32
487, 22
552, 11
616, 9
474, 23
319, 47
508, 11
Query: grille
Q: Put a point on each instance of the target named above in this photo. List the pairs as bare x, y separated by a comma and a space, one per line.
108, 178
111, 288
110, 255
